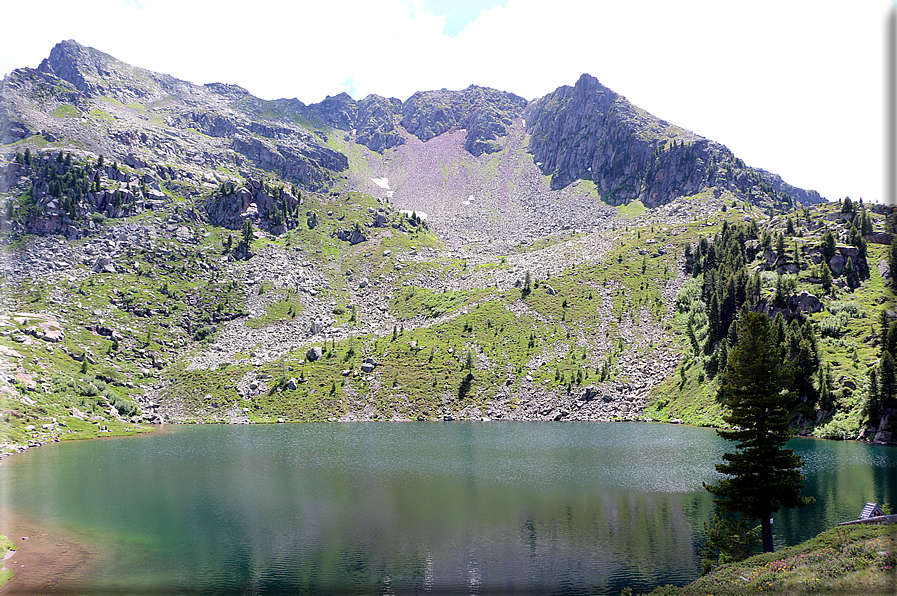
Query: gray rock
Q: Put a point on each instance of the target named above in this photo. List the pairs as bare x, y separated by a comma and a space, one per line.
836, 264
314, 353
807, 302
589, 393
879, 238
104, 265
351, 236
882, 436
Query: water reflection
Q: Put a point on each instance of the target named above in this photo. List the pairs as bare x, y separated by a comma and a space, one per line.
423, 507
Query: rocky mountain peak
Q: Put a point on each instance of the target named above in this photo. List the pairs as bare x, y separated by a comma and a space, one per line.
77, 64
231, 92
339, 111
589, 132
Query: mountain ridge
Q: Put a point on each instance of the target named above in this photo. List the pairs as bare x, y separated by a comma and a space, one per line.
628, 152
216, 257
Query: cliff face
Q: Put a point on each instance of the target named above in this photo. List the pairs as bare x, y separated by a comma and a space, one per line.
590, 132
485, 114
377, 121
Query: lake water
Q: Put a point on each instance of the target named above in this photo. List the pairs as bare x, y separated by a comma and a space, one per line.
458, 507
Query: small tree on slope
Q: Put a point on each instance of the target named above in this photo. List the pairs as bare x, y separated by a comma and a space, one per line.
761, 476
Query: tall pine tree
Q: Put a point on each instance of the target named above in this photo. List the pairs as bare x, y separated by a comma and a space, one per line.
761, 476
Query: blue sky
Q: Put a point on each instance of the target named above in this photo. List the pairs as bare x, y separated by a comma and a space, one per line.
795, 87
458, 13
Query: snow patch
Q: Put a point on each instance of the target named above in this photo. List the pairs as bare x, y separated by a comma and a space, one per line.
381, 182
420, 214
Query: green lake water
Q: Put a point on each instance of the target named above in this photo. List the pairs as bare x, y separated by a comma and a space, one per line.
379, 508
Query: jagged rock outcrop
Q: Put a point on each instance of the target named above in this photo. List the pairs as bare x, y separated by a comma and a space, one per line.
312, 166
377, 123
485, 113
96, 74
590, 132
254, 201
337, 111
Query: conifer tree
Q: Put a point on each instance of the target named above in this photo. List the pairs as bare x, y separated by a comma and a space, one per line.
887, 379
828, 245
892, 262
761, 476
826, 277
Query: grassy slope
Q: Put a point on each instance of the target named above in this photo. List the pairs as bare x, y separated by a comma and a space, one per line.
420, 372
565, 342
850, 560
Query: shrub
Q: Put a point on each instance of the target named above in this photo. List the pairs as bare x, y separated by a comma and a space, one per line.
837, 428
689, 294
834, 326
850, 307
204, 332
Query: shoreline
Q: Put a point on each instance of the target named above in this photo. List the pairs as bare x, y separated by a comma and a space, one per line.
161, 429
47, 558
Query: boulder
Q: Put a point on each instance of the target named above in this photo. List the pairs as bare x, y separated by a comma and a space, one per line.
351, 236
52, 331
879, 238
104, 265
589, 393
317, 326
805, 302
314, 353
551, 291
882, 436
836, 264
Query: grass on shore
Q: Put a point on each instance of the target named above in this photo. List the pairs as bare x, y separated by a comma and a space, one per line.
857, 559
6, 545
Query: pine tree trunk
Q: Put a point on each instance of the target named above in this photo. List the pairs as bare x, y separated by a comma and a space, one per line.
766, 526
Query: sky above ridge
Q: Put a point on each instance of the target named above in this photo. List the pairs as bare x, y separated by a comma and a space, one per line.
795, 87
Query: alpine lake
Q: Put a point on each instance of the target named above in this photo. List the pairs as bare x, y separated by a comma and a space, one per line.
424, 507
